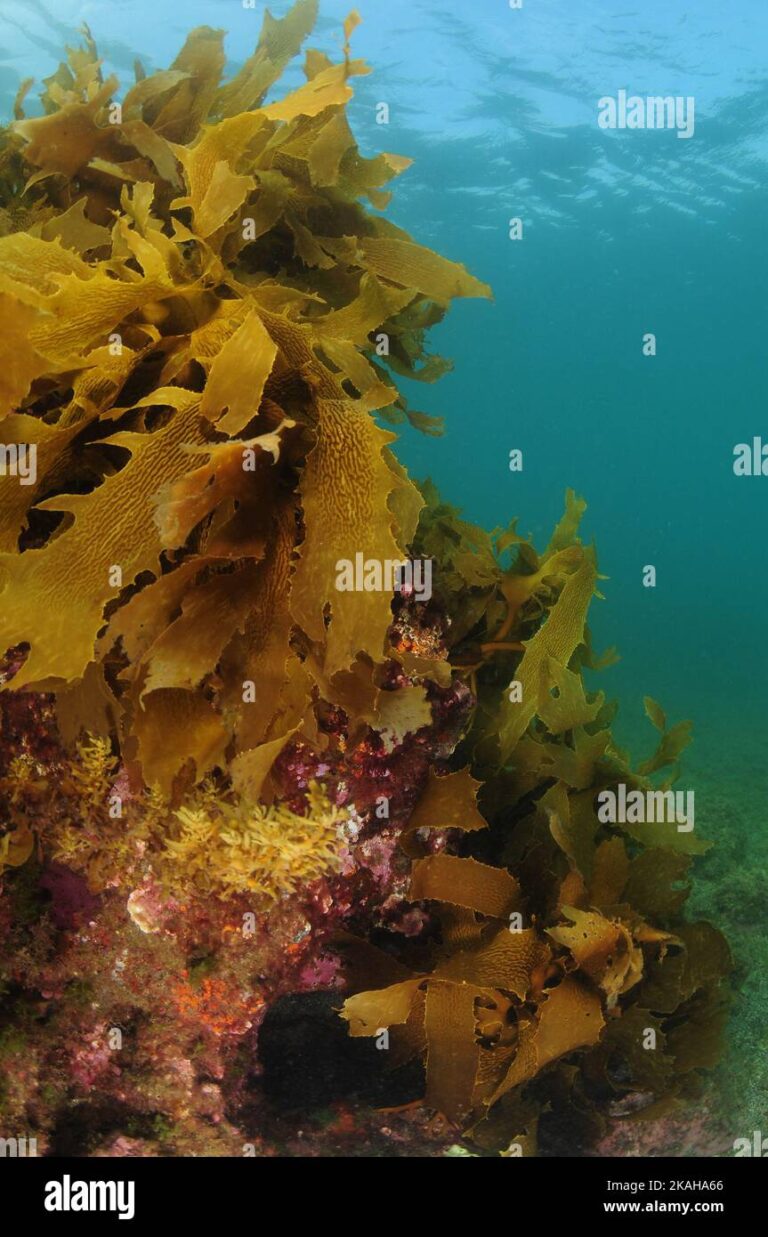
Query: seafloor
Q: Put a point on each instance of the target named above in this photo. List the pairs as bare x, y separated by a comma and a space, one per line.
725, 765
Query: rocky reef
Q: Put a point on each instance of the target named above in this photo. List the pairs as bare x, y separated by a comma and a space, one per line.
295, 860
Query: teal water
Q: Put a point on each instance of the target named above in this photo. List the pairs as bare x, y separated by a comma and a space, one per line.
624, 232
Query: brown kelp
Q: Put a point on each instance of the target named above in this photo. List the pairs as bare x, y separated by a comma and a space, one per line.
553, 931
203, 324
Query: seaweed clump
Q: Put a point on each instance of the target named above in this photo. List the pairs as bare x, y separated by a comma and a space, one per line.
213, 843
561, 985
204, 325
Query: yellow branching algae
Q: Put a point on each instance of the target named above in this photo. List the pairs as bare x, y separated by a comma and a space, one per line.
212, 844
